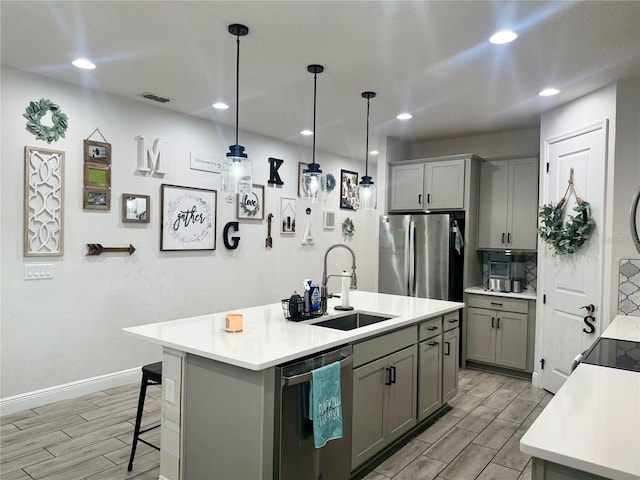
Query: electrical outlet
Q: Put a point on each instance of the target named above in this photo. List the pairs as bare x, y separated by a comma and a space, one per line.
38, 271
169, 390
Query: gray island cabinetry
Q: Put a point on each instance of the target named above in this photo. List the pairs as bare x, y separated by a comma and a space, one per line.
221, 408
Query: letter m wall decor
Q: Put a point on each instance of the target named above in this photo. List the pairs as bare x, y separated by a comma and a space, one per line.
43, 202
151, 156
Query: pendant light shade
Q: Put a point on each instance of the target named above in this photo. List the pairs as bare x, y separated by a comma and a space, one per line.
236, 167
312, 178
366, 197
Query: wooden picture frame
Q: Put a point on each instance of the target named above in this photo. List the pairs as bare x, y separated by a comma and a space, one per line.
94, 198
97, 175
287, 216
136, 208
348, 186
97, 152
251, 206
43, 202
188, 218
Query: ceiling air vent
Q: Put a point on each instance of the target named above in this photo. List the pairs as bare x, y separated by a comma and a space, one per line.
154, 97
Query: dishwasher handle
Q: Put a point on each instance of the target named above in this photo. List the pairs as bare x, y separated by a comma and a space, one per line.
305, 377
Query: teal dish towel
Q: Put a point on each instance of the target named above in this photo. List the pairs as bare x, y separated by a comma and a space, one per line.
459, 243
325, 404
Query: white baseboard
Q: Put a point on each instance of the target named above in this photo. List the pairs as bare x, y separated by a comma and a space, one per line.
534, 380
38, 398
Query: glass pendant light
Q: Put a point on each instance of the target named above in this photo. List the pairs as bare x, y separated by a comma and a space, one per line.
236, 168
312, 178
366, 197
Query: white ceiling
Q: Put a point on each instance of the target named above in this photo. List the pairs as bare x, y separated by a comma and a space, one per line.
432, 59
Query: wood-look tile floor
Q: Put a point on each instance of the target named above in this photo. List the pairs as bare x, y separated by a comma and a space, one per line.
90, 437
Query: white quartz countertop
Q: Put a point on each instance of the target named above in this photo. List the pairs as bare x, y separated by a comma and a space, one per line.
593, 422
527, 294
268, 339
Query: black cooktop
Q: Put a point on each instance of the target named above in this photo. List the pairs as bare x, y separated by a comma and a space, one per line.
609, 352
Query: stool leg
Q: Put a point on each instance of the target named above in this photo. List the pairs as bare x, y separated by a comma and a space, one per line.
136, 430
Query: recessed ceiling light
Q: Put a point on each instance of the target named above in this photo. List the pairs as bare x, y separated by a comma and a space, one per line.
83, 63
306, 132
220, 106
503, 36
374, 152
548, 92
404, 116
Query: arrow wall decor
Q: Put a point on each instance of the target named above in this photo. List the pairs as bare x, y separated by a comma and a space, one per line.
98, 249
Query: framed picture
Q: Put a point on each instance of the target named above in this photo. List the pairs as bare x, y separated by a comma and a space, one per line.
348, 185
96, 175
188, 218
288, 215
96, 198
135, 208
250, 206
43, 202
97, 152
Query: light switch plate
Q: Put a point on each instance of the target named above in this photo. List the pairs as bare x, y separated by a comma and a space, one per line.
38, 271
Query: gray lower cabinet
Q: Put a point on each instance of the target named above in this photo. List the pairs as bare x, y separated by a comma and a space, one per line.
497, 337
450, 355
430, 380
384, 402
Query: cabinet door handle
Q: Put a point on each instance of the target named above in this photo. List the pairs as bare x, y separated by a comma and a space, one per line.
496, 303
453, 321
393, 374
388, 380
428, 198
498, 323
420, 199
448, 344
503, 237
493, 319
431, 329
508, 238
432, 344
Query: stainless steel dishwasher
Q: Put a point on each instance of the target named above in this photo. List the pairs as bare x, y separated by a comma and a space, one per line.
295, 457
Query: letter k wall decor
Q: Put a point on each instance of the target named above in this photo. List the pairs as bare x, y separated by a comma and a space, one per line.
188, 218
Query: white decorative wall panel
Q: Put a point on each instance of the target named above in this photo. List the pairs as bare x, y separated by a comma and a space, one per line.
44, 202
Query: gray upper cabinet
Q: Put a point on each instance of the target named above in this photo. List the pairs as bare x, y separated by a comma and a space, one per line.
508, 204
444, 182
431, 185
407, 188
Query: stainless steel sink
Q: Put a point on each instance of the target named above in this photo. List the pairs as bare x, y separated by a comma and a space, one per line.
351, 321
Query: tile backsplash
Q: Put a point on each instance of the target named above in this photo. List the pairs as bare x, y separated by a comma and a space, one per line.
629, 288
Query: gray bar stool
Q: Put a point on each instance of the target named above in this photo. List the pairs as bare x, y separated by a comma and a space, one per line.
151, 375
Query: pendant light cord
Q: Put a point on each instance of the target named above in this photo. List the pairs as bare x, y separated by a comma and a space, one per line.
315, 87
237, 86
366, 153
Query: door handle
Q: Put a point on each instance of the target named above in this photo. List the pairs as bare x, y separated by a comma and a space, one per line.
508, 238
633, 215
431, 329
388, 380
493, 319
419, 199
590, 308
502, 237
428, 198
498, 322
448, 344
432, 344
393, 374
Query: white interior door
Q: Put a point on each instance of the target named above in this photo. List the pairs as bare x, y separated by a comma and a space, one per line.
572, 281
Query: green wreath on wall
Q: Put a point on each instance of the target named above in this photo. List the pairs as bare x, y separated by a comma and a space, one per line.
566, 237
34, 113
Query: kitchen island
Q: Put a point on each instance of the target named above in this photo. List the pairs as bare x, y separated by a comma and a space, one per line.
219, 388
591, 428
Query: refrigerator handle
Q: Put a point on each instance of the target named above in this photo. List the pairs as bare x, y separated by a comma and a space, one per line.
412, 259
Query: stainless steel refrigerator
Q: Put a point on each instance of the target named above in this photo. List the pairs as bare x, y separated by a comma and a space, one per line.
421, 255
